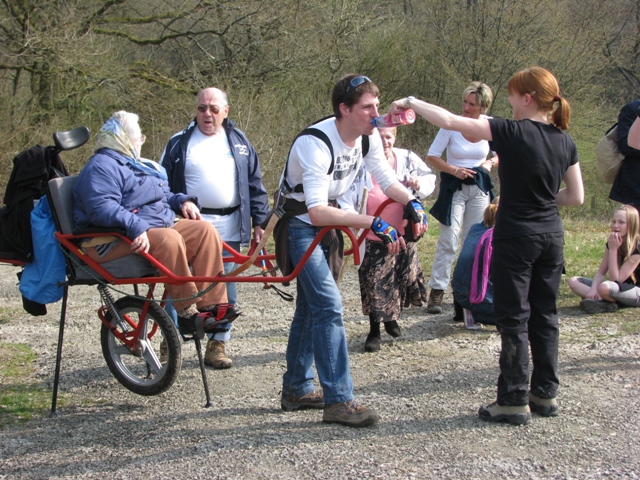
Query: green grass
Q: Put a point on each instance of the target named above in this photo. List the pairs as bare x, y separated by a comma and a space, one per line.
21, 396
584, 247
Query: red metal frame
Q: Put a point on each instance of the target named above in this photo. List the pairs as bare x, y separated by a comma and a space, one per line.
166, 276
264, 260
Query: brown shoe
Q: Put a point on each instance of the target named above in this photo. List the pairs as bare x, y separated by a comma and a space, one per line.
215, 356
435, 301
350, 414
310, 400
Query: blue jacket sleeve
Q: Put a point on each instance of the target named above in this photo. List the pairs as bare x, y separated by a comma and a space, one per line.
101, 189
258, 197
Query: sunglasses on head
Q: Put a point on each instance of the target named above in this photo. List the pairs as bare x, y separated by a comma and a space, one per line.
353, 84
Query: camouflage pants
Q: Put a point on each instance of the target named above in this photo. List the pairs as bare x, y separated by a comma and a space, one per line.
390, 282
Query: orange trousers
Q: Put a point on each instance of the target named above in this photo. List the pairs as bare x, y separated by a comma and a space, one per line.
188, 243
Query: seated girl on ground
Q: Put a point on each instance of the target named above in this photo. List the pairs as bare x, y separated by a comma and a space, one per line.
621, 261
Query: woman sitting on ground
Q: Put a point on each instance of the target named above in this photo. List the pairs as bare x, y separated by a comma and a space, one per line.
471, 283
621, 260
117, 189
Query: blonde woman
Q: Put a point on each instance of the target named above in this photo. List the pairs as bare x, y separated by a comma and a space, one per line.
621, 262
465, 188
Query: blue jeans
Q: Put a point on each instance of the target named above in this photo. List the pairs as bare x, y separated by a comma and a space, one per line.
317, 332
482, 312
232, 297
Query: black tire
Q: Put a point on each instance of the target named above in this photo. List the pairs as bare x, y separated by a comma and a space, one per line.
142, 371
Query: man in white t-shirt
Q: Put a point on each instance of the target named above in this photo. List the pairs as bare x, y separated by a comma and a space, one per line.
317, 173
214, 160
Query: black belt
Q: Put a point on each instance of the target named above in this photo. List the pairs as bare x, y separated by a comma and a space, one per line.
219, 211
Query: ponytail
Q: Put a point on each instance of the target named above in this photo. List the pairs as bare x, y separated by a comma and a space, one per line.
562, 114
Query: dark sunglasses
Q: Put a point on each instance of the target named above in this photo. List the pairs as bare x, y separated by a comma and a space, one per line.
353, 84
215, 109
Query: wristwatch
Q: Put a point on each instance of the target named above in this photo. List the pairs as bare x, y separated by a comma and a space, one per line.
409, 100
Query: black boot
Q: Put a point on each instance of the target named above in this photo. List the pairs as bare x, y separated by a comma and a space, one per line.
459, 315
392, 328
372, 343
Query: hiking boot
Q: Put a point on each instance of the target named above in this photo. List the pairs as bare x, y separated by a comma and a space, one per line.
215, 356
598, 306
392, 328
547, 407
434, 305
372, 343
350, 414
516, 415
310, 400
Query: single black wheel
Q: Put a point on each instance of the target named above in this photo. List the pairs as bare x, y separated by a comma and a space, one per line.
145, 360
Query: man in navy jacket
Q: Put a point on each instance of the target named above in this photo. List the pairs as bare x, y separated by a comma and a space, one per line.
215, 161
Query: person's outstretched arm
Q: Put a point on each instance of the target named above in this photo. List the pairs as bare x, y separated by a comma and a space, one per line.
472, 127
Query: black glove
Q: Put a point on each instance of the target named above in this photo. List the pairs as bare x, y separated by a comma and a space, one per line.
414, 211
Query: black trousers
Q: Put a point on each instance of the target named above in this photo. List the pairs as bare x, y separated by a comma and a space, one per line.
526, 274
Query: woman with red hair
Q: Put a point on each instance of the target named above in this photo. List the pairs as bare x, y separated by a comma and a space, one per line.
536, 157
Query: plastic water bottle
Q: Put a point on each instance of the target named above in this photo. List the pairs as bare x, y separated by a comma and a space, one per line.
389, 120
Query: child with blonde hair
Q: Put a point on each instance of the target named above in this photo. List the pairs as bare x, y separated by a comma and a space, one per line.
620, 261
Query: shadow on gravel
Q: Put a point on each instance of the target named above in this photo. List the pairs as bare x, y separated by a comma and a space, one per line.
239, 361
600, 364
197, 437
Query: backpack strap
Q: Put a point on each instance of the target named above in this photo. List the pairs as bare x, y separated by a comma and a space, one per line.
484, 249
319, 134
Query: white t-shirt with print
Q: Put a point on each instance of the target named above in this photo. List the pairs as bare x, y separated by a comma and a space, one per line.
310, 159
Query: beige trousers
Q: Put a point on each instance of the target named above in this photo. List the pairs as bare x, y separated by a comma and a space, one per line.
194, 243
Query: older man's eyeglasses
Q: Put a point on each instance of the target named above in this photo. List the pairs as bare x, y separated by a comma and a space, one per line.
215, 109
353, 84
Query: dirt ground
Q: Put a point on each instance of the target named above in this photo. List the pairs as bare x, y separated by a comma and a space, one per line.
426, 386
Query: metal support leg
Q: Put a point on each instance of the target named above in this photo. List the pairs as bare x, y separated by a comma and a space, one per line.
56, 377
203, 371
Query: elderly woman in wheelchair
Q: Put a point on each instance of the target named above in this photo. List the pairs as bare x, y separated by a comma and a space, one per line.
117, 189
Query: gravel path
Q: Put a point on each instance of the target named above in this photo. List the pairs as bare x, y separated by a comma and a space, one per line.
427, 387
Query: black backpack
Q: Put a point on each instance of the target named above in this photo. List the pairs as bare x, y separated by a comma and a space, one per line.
32, 170
322, 136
